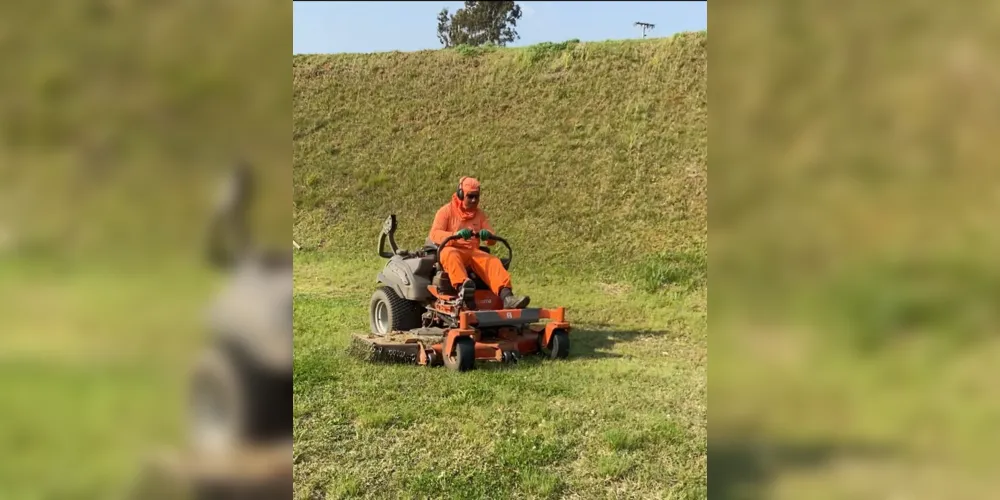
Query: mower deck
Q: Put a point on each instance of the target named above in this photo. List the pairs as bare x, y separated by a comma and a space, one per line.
517, 334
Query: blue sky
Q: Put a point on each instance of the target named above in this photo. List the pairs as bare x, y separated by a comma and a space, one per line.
331, 27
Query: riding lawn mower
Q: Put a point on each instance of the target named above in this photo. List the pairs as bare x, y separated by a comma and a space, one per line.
418, 317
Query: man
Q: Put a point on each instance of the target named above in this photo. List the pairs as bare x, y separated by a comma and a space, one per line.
463, 217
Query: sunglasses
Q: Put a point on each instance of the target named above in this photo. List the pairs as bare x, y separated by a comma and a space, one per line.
472, 196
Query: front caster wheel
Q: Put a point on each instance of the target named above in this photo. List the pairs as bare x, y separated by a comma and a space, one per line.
464, 357
558, 347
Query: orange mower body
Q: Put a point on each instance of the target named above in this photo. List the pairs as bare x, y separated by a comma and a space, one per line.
513, 338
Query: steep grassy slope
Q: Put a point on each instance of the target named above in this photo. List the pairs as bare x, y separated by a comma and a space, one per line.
593, 156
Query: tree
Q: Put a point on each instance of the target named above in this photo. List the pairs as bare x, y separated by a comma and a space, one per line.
479, 23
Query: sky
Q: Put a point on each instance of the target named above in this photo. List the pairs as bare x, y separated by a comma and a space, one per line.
332, 27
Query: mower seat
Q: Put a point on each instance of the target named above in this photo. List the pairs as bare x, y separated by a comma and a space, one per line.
480, 284
422, 266
444, 283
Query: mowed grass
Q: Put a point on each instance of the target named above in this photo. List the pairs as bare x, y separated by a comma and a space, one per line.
794, 417
623, 417
92, 372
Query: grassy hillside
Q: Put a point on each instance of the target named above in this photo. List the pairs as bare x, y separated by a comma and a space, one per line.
593, 160
117, 120
593, 156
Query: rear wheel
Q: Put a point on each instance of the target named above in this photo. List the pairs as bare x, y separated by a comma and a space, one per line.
218, 406
464, 358
233, 400
389, 312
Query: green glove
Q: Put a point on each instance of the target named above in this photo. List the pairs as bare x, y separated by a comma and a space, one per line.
464, 233
484, 234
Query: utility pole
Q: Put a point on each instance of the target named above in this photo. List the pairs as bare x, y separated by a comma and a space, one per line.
645, 27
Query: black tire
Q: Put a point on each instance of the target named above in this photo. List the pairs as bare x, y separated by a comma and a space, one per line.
234, 401
558, 347
465, 355
389, 312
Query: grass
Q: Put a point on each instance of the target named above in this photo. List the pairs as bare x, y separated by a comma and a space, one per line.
593, 160
624, 417
91, 370
115, 120
854, 318
597, 149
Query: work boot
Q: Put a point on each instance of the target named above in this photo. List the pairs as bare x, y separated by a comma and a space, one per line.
468, 293
512, 302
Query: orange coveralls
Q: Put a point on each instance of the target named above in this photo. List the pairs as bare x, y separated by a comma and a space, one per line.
461, 253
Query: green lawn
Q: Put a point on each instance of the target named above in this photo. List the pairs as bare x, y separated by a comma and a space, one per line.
91, 373
792, 419
623, 417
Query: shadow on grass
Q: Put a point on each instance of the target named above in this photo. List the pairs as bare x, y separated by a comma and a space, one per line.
589, 342
742, 469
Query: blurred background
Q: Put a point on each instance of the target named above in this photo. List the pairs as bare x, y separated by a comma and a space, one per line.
854, 279
118, 123
853, 200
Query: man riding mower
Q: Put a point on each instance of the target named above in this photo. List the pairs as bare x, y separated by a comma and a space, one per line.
451, 301
462, 217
